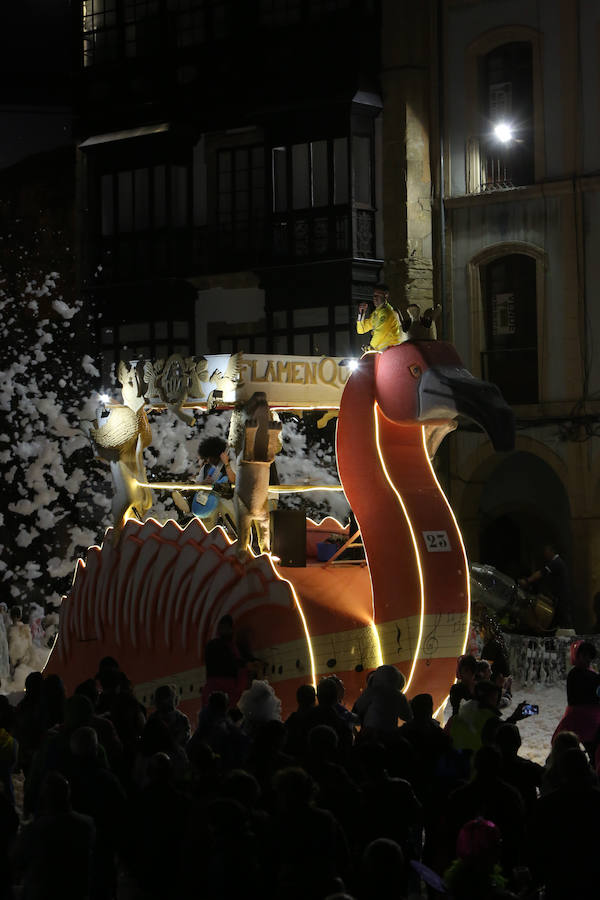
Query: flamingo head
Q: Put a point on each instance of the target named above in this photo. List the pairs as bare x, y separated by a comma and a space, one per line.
427, 382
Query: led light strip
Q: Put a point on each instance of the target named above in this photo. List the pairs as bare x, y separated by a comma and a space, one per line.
414, 543
273, 488
460, 538
313, 667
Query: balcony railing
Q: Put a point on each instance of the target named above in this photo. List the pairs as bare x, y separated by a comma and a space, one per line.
298, 236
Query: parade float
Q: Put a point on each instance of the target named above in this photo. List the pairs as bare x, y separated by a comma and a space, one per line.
152, 594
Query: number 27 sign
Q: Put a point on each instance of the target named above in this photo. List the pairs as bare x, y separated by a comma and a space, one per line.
437, 541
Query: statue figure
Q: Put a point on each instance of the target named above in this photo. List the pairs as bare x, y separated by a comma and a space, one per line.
255, 434
120, 440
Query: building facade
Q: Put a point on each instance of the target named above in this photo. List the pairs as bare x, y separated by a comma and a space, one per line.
520, 96
248, 170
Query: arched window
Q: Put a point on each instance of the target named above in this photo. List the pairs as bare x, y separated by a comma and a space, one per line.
504, 94
506, 111
509, 305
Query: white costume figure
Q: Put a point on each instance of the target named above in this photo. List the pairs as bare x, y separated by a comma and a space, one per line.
259, 704
20, 646
5, 615
36, 616
4, 658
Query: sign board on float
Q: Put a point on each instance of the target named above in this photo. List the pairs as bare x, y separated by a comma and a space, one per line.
293, 382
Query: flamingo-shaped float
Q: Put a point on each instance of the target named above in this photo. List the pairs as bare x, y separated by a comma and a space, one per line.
153, 599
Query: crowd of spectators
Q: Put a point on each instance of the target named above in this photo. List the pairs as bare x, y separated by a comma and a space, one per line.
374, 802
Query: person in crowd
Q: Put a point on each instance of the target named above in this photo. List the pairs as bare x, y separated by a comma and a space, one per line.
325, 713
478, 719
9, 826
258, 704
476, 872
383, 871
156, 738
8, 747
483, 671
551, 778
431, 745
341, 709
490, 796
52, 702
165, 702
53, 854
383, 323
97, 792
563, 832
582, 714
524, 774
390, 807
54, 753
553, 578
296, 723
382, 703
504, 682
464, 686
336, 792
310, 854
225, 666
494, 646
159, 822
103, 726
29, 728
266, 756
217, 730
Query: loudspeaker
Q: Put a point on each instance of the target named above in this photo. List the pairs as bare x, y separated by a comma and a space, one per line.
288, 536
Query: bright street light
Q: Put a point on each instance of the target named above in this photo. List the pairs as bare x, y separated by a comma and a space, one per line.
503, 132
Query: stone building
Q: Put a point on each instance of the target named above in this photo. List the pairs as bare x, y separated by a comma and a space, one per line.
248, 170
511, 122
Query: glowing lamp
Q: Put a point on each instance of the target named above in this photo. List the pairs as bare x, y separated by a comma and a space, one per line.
503, 132
104, 398
353, 364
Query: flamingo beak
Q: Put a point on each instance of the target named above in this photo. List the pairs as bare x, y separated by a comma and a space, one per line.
450, 391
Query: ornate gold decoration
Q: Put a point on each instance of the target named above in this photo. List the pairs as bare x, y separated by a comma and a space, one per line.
178, 380
120, 441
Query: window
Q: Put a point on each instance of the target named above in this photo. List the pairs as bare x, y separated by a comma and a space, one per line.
241, 196
510, 358
99, 23
315, 331
504, 85
143, 340
197, 21
317, 173
144, 199
142, 27
309, 179
506, 116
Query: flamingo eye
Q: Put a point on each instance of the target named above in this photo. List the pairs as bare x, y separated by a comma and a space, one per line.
415, 370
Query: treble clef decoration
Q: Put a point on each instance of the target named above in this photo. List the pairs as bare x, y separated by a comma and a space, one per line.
431, 643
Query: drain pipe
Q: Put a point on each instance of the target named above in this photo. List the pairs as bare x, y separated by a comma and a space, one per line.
441, 123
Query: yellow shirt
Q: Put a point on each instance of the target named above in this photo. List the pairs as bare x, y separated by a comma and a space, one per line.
385, 325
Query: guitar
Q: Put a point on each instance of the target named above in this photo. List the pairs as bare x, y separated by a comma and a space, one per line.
205, 503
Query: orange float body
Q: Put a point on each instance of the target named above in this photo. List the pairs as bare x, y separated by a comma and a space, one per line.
154, 600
